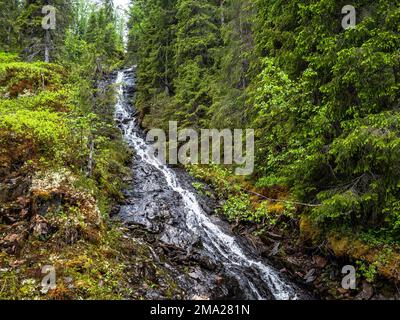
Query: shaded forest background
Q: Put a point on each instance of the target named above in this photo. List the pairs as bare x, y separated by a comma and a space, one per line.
324, 101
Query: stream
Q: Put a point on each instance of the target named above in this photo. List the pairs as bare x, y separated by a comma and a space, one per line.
162, 202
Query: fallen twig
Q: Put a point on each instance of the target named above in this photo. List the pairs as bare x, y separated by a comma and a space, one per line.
280, 200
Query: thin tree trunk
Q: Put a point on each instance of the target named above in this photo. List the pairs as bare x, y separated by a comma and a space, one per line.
222, 12
90, 162
47, 47
9, 36
166, 82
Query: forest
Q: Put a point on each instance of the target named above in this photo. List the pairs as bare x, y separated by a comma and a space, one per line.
323, 99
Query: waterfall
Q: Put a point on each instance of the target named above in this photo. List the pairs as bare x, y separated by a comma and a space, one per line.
217, 242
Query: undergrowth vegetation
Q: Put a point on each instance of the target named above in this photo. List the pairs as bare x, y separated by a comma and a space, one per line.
323, 101
61, 176
242, 201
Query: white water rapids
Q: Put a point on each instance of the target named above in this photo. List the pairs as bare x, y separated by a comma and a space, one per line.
197, 221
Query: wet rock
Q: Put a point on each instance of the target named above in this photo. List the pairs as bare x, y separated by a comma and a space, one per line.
207, 209
11, 238
14, 240
197, 274
9, 214
320, 262
343, 291
207, 263
299, 274
293, 261
17, 263
50, 202
310, 276
275, 249
200, 298
267, 241
179, 237
115, 210
366, 293
39, 226
153, 295
219, 280
14, 188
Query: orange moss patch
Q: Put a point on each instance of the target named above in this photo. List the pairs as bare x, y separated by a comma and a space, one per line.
15, 147
308, 230
276, 208
387, 263
60, 293
20, 87
256, 197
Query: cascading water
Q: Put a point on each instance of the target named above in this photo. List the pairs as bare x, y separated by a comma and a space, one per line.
159, 197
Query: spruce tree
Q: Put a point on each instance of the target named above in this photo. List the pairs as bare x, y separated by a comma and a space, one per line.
38, 43
234, 57
151, 46
9, 25
197, 39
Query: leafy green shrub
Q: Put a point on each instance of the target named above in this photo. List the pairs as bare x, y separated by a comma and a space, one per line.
238, 208
221, 178
6, 57
47, 128
17, 77
53, 100
368, 271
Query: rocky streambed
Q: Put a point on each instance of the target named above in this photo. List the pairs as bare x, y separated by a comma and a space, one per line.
206, 259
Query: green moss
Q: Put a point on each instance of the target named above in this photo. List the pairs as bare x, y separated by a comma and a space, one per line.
45, 131
83, 271
6, 57
18, 78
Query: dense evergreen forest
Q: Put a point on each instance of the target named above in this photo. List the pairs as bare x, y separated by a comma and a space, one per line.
323, 100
